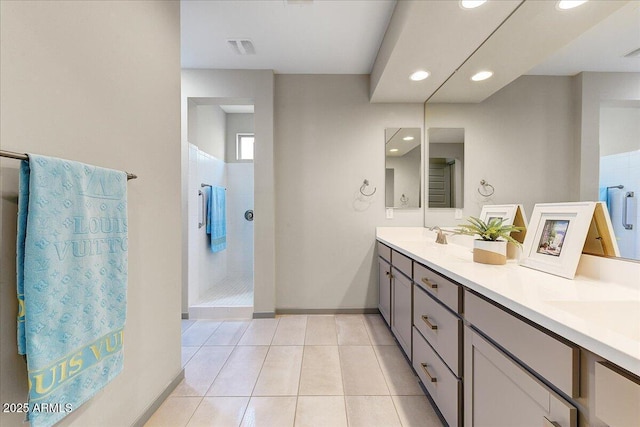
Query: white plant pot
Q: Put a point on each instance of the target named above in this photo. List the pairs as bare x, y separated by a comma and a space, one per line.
490, 252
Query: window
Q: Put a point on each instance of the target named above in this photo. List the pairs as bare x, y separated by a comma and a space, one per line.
244, 146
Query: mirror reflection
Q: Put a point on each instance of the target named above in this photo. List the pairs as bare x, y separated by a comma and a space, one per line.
620, 171
402, 167
446, 167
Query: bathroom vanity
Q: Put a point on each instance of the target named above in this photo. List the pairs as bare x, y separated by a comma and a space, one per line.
511, 346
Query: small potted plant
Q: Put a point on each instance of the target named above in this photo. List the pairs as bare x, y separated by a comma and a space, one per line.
491, 247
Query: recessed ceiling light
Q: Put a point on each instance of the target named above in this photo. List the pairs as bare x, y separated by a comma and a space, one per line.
393, 150
569, 4
419, 75
408, 138
472, 4
482, 75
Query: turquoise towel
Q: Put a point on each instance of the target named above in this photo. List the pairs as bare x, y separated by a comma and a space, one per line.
217, 218
72, 277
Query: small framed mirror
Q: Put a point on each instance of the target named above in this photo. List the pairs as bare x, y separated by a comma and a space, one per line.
403, 154
446, 168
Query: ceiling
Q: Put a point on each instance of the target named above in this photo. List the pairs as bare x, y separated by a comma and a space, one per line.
389, 41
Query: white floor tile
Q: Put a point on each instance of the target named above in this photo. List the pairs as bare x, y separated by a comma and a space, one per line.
400, 378
416, 411
379, 333
239, 375
229, 333
174, 412
321, 330
201, 370
351, 330
321, 411
360, 372
199, 332
259, 332
321, 374
367, 411
280, 373
290, 331
270, 412
219, 412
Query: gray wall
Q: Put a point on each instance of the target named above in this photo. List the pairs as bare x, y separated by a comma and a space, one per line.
329, 138
99, 82
619, 130
521, 140
206, 125
237, 123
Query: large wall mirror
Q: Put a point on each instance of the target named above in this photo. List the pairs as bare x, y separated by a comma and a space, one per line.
403, 155
446, 168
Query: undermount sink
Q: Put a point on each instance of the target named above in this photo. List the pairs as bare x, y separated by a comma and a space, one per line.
622, 317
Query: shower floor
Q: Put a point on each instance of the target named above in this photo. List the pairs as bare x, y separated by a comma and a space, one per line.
231, 292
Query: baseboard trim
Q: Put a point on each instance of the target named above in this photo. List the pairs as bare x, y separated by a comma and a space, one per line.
264, 315
151, 409
185, 316
327, 311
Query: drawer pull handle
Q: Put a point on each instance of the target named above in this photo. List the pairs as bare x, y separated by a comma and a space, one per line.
425, 319
424, 368
547, 423
429, 283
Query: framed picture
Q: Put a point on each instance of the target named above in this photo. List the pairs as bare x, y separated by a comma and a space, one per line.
556, 237
510, 214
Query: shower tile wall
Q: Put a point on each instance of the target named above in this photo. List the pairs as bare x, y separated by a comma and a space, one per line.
623, 169
205, 267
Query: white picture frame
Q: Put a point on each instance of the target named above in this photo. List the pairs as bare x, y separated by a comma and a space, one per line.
510, 214
556, 236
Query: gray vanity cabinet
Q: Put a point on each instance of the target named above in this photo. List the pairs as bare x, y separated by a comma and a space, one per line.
401, 300
499, 392
384, 286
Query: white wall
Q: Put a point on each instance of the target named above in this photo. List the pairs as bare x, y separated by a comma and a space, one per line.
521, 140
239, 230
329, 138
99, 82
237, 123
211, 130
248, 87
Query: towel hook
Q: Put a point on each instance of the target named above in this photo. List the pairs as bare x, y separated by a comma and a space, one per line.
364, 185
484, 185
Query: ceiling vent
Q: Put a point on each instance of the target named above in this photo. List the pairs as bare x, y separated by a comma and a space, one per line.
241, 46
633, 54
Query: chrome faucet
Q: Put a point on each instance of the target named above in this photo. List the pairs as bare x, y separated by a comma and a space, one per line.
441, 238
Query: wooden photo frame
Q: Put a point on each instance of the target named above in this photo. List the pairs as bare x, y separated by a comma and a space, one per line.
556, 237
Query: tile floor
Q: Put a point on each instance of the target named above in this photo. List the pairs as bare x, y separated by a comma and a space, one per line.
323, 371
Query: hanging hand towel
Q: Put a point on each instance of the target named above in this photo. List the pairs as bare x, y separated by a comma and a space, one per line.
217, 219
72, 278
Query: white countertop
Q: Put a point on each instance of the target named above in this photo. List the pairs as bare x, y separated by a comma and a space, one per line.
599, 310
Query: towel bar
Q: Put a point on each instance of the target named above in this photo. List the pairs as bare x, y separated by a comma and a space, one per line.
23, 156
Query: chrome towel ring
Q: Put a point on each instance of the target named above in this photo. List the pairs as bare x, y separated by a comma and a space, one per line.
364, 185
486, 192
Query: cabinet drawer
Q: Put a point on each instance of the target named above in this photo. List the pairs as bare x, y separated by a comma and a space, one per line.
499, 392
557, 361
442, 385
617, 395
448, 292
384, 251
401, 262
440, 327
